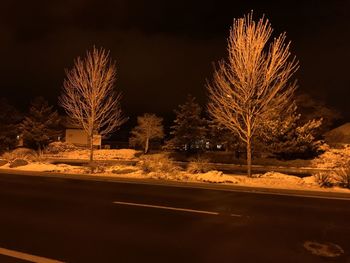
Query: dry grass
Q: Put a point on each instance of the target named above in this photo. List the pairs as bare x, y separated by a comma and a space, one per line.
58, 147
343, 176
20, 153
157, 163
324, 179
199, 165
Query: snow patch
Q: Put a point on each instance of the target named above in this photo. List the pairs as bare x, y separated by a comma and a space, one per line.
214, 177
282, 177
267, 180
103, 154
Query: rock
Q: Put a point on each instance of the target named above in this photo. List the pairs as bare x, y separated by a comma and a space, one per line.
17, 163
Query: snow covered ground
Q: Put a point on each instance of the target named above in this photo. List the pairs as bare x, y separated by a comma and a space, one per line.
267, 180
161, 167
110, 154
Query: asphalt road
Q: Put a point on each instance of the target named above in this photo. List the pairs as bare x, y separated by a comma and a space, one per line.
85, 221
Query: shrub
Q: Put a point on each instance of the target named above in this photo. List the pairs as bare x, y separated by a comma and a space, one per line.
96, 167
324, 179
199, 165
57, 147
18, 162
38, 156
343, 176
157, 163
24, 154
20, 153
333, 158
138, 154
3, 162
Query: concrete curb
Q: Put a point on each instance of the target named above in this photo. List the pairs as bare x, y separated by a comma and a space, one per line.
195, 185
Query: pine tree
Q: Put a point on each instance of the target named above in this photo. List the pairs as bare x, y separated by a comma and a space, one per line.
287, 137
9, 120
149, 127
41, 126
220, 135
312, 108
189, 129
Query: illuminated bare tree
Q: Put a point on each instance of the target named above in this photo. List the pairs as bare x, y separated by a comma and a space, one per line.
254, 81
149, 127
89, 96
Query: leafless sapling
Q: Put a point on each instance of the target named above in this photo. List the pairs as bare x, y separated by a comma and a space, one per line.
89, 96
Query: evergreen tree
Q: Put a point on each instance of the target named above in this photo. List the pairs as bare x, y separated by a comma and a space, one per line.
220, 135
9, 120
311, 108
287, 137
149, 127
189, 129
41, 126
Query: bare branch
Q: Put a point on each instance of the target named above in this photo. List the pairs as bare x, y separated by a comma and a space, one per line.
89, 96
254, 80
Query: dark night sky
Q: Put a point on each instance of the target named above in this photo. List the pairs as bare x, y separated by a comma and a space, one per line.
164, 49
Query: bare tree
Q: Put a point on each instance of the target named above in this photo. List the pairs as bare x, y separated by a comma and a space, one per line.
254, 81
149, 127
89, 96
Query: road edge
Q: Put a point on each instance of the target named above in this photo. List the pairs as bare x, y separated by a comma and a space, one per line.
179, 184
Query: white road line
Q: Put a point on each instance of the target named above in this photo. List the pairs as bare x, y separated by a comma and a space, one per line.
235, 215
168, 208
27, 257
172, 208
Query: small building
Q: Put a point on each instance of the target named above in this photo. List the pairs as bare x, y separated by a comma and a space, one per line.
79, 137
338, 136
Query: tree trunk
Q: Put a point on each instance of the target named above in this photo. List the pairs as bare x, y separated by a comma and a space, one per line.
147, 145
91, 148
249, 158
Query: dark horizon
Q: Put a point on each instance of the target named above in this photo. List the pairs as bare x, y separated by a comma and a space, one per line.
164, 51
